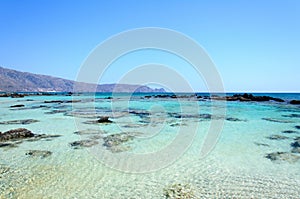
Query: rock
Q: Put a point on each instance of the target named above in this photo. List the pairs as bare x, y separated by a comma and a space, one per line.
62, 101
277, 120
88, 132
39, 153
23, 122
16, 134
289, 131
283, 156
140, 113
117, 139
17, 106
297, 127
246, 98
277, 137
83, 143
10, 145
296, 150
296, 102
101, 120
235, 119
56, 111
292, 115
17, 95
261, 144
179, 191
104, 119
296, 143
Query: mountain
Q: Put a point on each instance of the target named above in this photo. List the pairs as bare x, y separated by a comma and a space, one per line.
16, 81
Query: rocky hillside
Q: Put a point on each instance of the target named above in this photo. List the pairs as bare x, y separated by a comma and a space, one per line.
16, 81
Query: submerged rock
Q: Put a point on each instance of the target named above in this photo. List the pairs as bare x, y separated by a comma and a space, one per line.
101, 120
289, 131
294, 115
114, 142
179, 191
56, 111
88, 132
277, 137
277, 120
104, 119
17, 106
39, 153
283, 156
261, 144
16, 134
296, 102
23, 122
117, 139
232, 119
83, 143
296, 143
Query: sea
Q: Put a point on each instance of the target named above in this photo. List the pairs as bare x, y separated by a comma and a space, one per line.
150, 145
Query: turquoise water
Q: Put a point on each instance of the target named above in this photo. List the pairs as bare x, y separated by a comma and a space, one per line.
235, 168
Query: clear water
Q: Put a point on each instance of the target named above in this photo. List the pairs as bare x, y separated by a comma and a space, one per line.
235, 168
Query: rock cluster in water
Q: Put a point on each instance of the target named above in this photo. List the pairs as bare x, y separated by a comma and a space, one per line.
83, 143
14, 137
15, 134
39, 153
283, 156
115, 142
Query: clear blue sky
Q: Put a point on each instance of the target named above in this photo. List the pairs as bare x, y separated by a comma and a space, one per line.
254, 44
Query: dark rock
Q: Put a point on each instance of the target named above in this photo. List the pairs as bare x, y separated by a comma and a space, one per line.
140, 113
23, 122
17, 106
283, 156
235, 119
62, 101
246, 98
16, 134
101, 120
39, 153
17, 95
10, 145
104, 119
277, 120
296, 143
296, 102
277, 137
292, 115
83, 143
289, 131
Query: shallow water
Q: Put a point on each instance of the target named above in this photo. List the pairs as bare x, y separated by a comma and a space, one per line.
235, 168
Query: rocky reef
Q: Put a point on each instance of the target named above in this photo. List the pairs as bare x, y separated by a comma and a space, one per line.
283, 156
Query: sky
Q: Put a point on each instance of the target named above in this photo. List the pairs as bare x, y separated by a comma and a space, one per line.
255, 45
